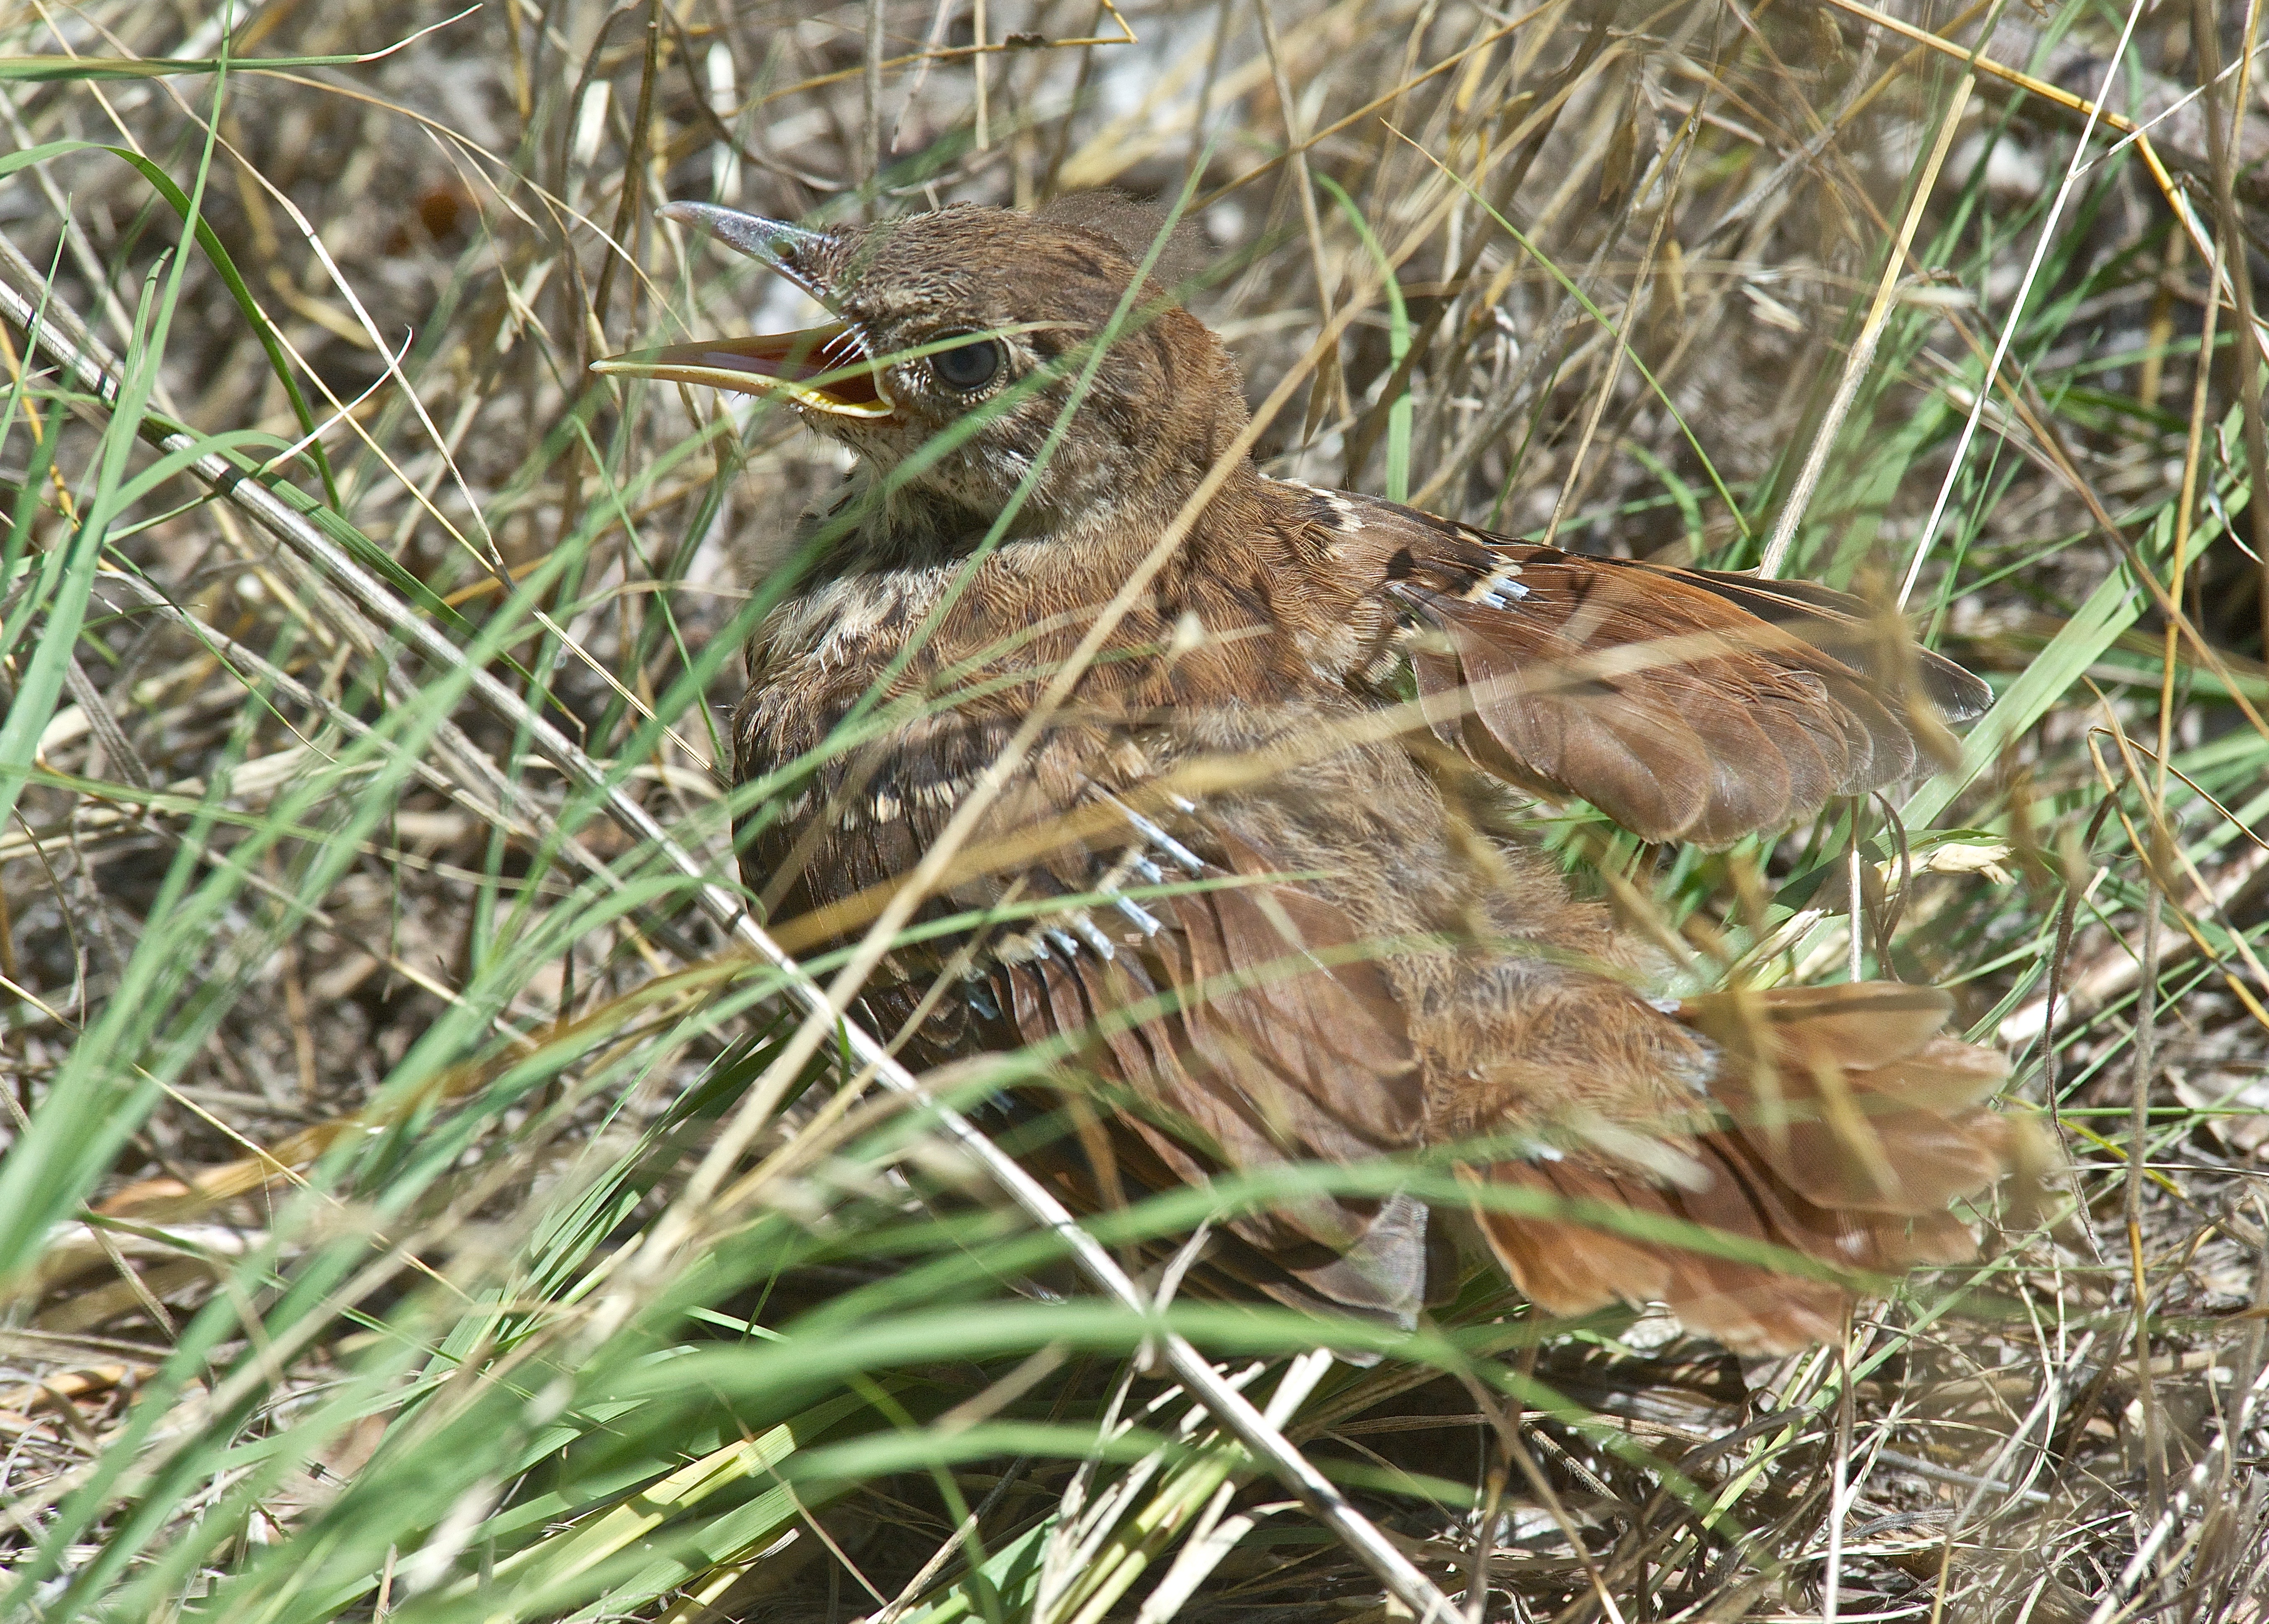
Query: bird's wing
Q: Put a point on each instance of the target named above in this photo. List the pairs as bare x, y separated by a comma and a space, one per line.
1688, 704
1236, 1010
1234, 1024
1231, 1019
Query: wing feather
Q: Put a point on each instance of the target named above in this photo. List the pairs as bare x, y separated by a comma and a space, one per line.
1249, 1031
1688, 704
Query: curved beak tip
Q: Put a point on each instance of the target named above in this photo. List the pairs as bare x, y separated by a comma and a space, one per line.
687, 211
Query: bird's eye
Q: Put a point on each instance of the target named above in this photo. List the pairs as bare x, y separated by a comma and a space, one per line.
971, 367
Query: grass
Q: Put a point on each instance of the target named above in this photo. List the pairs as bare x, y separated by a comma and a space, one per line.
423, 1195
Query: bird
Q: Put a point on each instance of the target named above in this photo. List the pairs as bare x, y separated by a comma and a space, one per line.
1236, 763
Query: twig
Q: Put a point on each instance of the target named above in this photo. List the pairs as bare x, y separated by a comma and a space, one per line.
977, 67
870, 83
910, 1591
1672, 183
930, 45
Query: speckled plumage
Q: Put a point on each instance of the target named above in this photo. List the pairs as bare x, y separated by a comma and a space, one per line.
1324, 953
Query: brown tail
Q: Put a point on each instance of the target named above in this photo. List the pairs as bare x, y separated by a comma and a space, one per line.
1850, 1123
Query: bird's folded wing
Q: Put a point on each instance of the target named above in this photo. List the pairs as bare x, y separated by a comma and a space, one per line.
1244, 1023
1698, 706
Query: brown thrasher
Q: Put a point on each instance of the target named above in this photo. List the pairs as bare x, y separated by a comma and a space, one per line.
1239, 870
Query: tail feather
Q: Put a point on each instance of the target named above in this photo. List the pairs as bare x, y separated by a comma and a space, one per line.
1853, 1095
1567, 1268
1850, 1123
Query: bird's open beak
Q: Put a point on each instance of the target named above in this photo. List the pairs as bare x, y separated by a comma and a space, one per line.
825, 368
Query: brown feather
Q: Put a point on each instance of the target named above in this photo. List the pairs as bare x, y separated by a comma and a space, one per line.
1788, 1169
1565, 1267
1635, 686
1847, 627
1854, 1097
1594, 675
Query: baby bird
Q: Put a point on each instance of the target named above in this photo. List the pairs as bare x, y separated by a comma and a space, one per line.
1224, 753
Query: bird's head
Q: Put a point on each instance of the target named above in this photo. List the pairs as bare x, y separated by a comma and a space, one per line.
960, 337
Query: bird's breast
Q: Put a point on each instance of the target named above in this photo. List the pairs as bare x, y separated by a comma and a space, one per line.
846, 624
